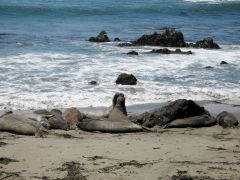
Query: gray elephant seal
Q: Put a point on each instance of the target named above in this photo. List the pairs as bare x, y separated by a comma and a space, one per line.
226, 119
18, 124
194, 122
54, 118
117, 122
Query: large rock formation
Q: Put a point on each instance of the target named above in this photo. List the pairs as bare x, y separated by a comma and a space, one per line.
170, 38
178, 109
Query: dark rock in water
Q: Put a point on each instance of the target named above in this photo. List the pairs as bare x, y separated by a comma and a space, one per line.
226, 119
132, 53
167, 51
208, 67
194, 122
223, 62
206, 43
170, 38
117, 39
102, 37
178, 109
126, 79
93, 83
128, 44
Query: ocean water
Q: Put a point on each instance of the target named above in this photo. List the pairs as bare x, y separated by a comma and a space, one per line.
47, 62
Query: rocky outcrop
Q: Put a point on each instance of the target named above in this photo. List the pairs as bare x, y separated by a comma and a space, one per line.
206, 43
126, 79
178, 109
226, 119
170, 38
117, 39
168, 51
102, 37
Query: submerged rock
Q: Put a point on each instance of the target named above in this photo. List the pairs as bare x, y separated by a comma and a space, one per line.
102, 37
126, 44
223, 62
132, 53
170, 38
178, 109
117, 39
206, 43
208, 67
126, 79
93, 83
226, 119
168, 51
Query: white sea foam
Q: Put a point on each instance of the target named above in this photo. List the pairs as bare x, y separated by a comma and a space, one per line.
212, 1
55, 80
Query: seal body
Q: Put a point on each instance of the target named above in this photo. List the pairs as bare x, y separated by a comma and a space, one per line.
18, 124
226, 119
72, 116
107, 126
117, 121
196, 121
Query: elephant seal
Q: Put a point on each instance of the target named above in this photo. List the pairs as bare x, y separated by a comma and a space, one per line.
54, 118
117, 122
226, 119
18, 124
194, 122
72, 116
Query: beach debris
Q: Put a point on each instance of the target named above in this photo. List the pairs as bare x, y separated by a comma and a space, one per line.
132, 53
6, 161
226, 119
102, 37
126, 79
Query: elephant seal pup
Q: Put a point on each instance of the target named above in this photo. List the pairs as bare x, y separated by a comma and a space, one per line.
72, 116
117, 122
19, 124
194, 122
226, 119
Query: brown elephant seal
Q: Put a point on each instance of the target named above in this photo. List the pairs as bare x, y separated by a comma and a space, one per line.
194, 122
72, 116
226, 119
117, 122
19, 124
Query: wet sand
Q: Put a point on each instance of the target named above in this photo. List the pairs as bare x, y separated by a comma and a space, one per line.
202, 153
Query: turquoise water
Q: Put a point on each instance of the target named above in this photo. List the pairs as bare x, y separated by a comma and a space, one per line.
47, 62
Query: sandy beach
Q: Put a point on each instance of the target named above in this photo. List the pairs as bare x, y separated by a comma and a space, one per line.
201, 153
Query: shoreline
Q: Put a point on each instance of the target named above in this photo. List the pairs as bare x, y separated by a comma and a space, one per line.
212, 106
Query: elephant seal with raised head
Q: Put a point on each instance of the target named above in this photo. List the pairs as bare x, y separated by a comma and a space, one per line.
117, 122
194, 122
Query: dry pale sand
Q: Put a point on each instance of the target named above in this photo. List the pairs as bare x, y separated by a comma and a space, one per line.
203, 153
